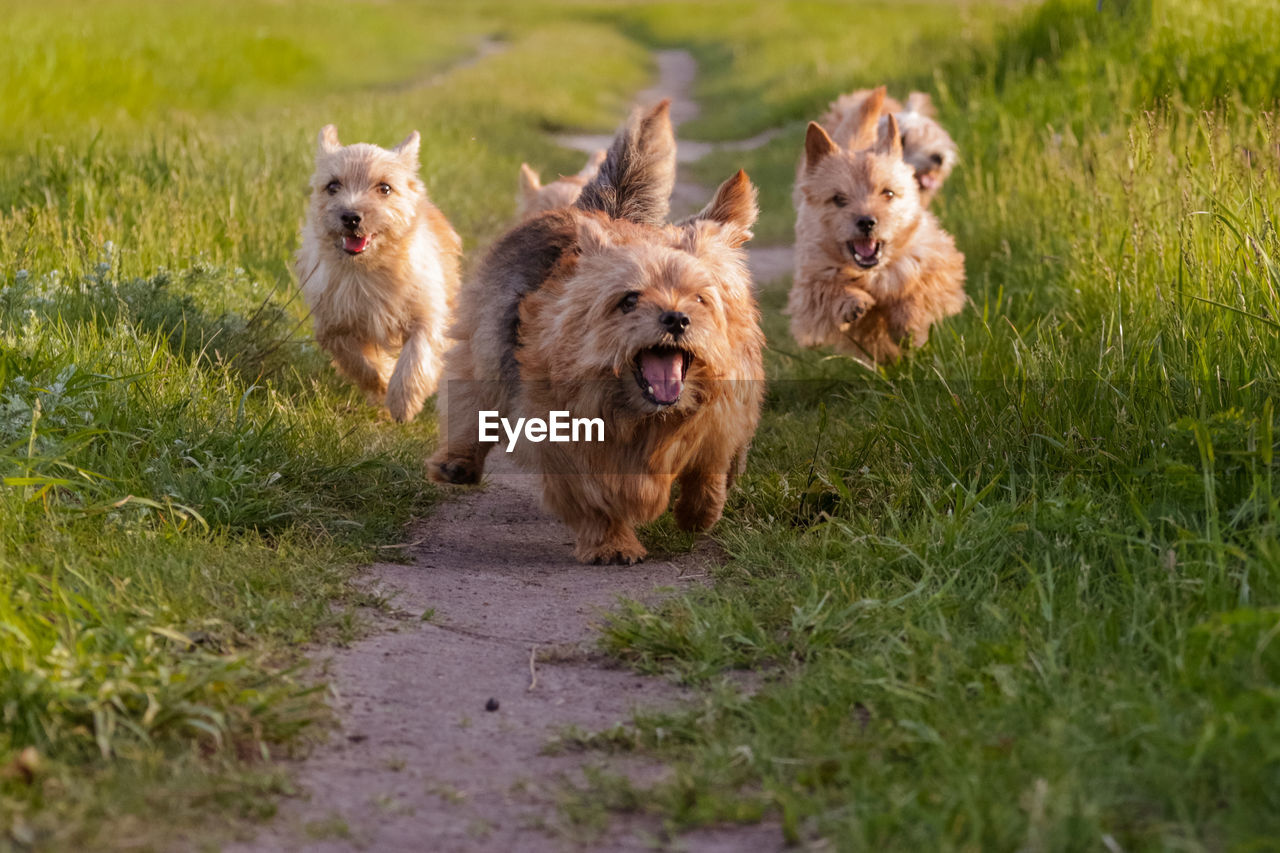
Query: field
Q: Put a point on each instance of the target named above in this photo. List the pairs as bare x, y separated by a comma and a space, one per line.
1021, 591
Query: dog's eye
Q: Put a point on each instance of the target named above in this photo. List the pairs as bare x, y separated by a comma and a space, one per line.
888, 193
332, 187
384, 188
700, 299
839, 200
628, 303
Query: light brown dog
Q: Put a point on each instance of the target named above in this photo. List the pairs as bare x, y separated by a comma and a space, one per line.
534, 198
874, 270
926, 146
379, 268
604, 311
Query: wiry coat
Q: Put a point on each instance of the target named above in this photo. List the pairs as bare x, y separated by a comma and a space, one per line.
382, 311
535, 197
874, 270
926, 145
572, 310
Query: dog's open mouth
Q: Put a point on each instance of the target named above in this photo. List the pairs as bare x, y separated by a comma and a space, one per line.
660, 373
866, 252
928, 181
356, 245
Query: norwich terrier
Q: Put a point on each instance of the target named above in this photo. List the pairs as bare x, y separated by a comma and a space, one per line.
535, 198
874, 270
927, 148
605, 311
379, 268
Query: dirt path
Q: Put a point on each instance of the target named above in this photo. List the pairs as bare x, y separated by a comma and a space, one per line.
418, 762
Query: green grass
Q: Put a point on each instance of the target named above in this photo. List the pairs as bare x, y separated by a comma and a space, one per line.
188, 490
1020, 591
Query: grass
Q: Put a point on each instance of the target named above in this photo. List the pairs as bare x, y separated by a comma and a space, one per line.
1021, 591
1018, 592
187, 488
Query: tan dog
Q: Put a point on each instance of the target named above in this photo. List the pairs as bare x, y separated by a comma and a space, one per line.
379, 269
927, 148
535, 198
605, 311
874, 270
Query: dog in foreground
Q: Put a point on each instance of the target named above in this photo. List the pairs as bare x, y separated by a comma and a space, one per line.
536, 198
874, 269
379, 269
605, 311
926, 146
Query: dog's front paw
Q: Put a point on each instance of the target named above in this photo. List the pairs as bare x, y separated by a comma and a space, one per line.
855, 305
695, 515
457, 471
400, 407
617, 553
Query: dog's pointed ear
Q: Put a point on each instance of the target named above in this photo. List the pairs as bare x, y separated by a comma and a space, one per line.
817, 145
407, 150
593, 165
530, 183
889, 142
639, 172
592, 236
327, 142
734, 207
866, 119
920, 102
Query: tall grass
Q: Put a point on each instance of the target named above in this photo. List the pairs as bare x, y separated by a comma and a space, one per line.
1017, 592
1021, 591
187, 489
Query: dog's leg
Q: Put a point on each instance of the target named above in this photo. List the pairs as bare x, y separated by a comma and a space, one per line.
852, 304
873, 341
909, 322
603, 540
825, 305
357, 360
703, 489
416, 374
460, 459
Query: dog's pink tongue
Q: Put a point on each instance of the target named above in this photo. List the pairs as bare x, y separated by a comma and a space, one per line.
865, 248
928, 181
355, 244
664, 372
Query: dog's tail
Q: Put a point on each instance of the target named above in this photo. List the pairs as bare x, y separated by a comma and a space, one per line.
639, 172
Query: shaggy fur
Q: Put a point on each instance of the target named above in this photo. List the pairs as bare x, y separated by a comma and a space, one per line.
535, 198
874, 270
604, 311
637, 176
927, 148
379, 269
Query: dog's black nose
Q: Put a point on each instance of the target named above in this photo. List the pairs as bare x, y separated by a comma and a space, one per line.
866, 224
350, 218
675, 322
936, 159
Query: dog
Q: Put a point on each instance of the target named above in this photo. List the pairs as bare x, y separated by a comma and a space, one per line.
378, 266
604, 310
534, 198
874, 270
926, 146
